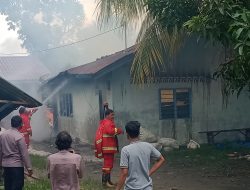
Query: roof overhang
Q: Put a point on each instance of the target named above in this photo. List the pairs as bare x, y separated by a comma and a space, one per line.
12, 97
127, 59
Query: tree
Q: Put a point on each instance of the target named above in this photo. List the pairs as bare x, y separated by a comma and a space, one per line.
166, 22
227, 22
156, 39
43, 24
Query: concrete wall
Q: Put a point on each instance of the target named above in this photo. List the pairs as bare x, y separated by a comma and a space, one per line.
131, 102
209, 112
85, 118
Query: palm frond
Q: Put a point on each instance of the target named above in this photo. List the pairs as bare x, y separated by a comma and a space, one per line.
123, 11
154, 43
156, 48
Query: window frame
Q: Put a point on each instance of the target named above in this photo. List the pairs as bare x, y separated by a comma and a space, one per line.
175, 102
66, 105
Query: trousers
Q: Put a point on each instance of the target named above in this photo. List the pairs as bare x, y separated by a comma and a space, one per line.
13, 178
108, 162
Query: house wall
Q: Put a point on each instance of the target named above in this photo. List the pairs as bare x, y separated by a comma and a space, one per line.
85, 118
131, 102
209, 113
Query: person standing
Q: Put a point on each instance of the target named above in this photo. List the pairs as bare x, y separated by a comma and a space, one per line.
65, 167
109, 146
1, 173
26, 129
14, 156
135, 161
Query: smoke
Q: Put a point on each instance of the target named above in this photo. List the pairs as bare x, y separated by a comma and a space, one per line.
57, 89
40, 125
46, 30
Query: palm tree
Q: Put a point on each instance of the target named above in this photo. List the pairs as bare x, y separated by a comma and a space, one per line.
154, 41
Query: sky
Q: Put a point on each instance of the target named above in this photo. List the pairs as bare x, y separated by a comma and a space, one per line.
107, 44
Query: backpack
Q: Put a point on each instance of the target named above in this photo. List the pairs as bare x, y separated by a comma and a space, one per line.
98, 141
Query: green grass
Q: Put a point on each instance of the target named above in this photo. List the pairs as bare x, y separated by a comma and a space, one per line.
37, 185
39, 166
207, 155
44, 184
209, 158
38, 162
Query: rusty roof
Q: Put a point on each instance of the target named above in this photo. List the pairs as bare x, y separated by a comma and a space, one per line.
101, 63
16, 68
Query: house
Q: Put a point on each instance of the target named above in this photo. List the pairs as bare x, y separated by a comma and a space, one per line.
181, 101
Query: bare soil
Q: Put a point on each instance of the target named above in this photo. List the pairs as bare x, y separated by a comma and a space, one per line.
173, 176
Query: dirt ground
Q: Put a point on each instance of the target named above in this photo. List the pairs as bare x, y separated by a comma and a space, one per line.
181, 178
177, 177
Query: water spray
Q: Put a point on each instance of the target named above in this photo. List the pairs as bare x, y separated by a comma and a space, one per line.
56, 90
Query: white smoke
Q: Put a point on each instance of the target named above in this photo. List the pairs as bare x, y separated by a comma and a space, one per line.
40, 125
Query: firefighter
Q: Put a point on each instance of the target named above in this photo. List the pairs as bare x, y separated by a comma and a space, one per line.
109, 146
26, 129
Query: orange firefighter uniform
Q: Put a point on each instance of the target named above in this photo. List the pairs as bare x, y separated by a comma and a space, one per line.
26, 129
109, 144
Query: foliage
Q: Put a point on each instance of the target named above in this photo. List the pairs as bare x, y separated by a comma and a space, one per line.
224, 21
227, 21
172, 13
43, 24
152, 45
123, 11
154, 40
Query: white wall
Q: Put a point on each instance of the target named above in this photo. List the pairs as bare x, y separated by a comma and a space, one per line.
85, 118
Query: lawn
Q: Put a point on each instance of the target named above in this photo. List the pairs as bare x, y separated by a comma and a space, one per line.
212, 160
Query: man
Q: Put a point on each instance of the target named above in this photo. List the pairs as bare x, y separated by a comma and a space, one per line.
1, 182
135, 161
65, 168
26, 129
14, 156
109, 146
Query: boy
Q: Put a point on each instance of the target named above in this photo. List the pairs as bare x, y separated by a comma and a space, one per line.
135, 161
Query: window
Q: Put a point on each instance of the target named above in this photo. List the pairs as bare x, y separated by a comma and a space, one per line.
175, 103
66, 106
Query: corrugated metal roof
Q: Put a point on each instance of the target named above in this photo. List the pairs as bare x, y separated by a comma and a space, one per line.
11, 98
99, 64
18, 68
90, 69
